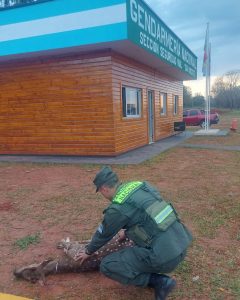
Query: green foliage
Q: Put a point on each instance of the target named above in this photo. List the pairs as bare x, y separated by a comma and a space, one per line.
225, 93
187, 96
190, 101
28, 240
198, 101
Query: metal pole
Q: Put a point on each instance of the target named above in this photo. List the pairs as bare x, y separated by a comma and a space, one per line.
209, 80
206, 105
207, 102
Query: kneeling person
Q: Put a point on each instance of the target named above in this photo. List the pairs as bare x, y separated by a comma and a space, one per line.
160, 238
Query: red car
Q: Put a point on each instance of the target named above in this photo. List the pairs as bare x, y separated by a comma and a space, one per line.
196, 117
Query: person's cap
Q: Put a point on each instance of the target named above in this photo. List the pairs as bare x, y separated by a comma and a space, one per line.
103, 176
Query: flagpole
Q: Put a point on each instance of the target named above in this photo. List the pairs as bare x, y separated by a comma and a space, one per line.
209, 81
207, 78
207, 96
206, 104
206, 73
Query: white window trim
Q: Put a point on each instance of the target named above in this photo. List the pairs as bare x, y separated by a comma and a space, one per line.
175, 107
164, 113
139, 102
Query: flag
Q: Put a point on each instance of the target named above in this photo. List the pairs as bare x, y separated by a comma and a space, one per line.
207, 53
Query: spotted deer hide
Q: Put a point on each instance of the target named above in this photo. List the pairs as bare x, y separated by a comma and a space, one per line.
65, 264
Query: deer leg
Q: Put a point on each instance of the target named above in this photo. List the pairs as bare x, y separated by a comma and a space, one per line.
66, 264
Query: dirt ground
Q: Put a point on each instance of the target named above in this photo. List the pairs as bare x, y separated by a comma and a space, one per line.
57, 201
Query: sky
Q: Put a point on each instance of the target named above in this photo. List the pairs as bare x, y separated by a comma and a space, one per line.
188, 20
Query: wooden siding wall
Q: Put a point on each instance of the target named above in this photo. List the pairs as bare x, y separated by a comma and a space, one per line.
57, 106
133, 132
72, 105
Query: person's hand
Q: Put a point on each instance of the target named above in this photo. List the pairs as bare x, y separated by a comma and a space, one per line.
82, 256
121, 236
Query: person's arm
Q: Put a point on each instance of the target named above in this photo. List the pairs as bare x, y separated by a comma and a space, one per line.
112, 223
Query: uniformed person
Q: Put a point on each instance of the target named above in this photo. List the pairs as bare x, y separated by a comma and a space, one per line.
160, 238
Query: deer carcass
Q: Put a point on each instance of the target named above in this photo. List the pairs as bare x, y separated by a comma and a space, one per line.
37, 272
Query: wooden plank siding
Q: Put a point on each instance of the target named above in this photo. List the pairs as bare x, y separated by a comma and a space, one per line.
57, 106
71, 105
132, 133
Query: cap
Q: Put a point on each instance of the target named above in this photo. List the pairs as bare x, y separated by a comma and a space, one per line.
103, 176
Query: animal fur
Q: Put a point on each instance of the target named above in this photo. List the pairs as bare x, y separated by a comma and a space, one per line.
37, 272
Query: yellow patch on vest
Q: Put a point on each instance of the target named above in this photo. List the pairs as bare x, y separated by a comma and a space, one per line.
125, 191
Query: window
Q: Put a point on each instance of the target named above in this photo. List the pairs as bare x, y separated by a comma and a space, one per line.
175, 105
193, 113
131, 102
163, 104
185, 113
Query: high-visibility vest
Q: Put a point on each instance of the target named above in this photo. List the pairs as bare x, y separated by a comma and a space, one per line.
125, 191
161, 212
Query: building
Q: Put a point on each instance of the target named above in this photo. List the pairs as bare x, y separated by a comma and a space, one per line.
96, 77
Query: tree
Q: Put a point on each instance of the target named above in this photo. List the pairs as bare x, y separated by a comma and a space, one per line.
187, 96
232, 80
226, 90
198, 100
218, 91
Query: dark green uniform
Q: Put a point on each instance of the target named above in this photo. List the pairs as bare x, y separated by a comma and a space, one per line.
160, 238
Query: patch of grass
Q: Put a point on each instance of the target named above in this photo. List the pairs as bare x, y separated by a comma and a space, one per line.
218, 279
208, 225
234, 285
238, 236
21, 192
231, 262
186, 273
184, 268
4, 164
218, 286
211, 220
156, 159
234, 112
28, 240
222, 285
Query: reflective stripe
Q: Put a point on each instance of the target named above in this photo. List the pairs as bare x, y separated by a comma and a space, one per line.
163, 214
125, 191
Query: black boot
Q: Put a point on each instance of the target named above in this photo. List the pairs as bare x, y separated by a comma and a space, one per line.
162, 285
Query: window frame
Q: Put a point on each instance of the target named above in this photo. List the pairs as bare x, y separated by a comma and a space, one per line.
139, 95
163, 114
193, 113
175, 107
